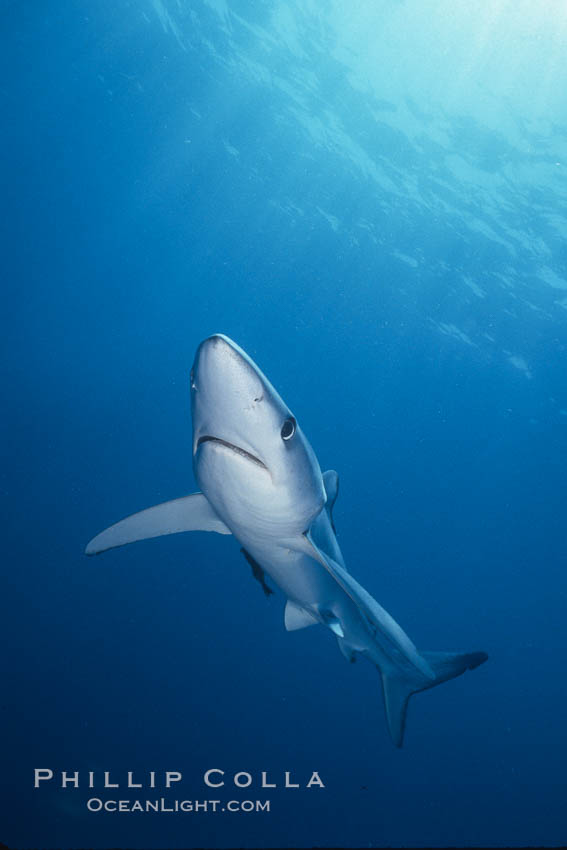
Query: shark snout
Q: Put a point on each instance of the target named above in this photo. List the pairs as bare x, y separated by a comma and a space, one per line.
218, 343
215, 358
208, 348
215, 341
222, 367
226, 389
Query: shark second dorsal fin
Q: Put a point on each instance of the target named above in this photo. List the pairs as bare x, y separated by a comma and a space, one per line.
331, 482
297, 618
190, 513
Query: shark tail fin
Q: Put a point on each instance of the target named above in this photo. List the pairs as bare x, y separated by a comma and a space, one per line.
398, 688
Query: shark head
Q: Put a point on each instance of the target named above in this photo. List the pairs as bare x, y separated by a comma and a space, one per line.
250, 456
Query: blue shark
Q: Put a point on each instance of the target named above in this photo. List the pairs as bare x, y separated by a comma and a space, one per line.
260, 481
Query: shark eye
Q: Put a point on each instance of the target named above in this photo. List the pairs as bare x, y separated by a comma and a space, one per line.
288, 428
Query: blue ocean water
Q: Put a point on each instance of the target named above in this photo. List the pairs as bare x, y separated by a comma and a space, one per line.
370, 199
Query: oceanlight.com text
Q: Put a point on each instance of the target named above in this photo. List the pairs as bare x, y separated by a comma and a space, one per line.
95, 804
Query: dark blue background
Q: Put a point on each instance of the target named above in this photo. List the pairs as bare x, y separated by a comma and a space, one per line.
173, 170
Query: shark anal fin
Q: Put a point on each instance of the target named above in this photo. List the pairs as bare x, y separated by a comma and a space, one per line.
297, 617
346, 650
190, 513
258, 573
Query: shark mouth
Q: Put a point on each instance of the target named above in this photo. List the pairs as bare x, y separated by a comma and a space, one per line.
206, 438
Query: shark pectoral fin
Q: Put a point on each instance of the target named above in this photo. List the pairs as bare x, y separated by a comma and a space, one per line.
258, 573
331, 482
297, 618
190, 513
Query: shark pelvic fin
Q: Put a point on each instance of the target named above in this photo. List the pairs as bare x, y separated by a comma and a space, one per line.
297, 618
190, 513
332, 622
336, 628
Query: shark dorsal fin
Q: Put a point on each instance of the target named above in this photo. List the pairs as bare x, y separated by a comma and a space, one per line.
331, 482
297, 618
